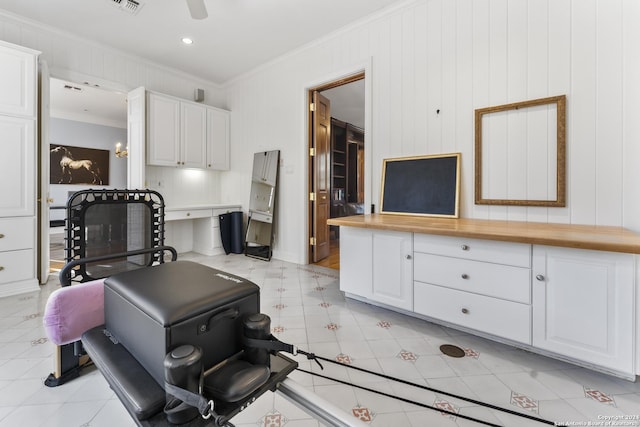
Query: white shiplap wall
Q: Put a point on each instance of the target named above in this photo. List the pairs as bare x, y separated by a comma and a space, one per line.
79, 60
455, 56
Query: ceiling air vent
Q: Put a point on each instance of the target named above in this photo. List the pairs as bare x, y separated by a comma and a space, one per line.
73, 88
130, 6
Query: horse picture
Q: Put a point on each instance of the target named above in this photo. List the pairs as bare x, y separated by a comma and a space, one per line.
78, 165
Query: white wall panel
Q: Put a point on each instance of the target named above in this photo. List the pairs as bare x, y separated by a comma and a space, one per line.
418, 101
630, 122
408, 79
464, 94
447, 106
479, 51
583, 112
608, 135
433, 77
559, 77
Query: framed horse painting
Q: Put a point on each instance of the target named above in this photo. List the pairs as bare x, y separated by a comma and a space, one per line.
78, 165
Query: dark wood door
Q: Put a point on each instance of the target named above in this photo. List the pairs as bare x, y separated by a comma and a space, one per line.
322, 175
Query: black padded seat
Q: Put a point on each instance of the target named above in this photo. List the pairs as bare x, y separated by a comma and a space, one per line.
235, 381
154, 310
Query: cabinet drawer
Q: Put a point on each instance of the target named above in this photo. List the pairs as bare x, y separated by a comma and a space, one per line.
16, 266
186, 214
259, 216
502, 318
17, 233
509, 253
496, 280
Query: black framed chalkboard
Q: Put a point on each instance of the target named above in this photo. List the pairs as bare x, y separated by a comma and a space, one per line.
421, 185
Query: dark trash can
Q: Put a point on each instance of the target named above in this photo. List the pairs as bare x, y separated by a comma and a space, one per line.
231, 232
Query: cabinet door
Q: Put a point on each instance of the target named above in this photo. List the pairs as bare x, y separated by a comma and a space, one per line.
356, 261
271, 171
393, 268
17, 166
17, 74
265, 167
583, 305
163, 136
193, 135
217, 139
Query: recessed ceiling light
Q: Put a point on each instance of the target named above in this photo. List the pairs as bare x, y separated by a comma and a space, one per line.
187, 40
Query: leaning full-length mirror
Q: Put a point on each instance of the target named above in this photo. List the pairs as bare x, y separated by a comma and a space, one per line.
520, 153
262, 205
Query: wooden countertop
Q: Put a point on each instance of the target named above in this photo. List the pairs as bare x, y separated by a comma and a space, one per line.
603, 238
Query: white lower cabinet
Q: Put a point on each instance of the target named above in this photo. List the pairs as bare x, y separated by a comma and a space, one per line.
573, 304
467, 282
356, 261
494, 316
393, 268
196, 229
583, 305
377, 265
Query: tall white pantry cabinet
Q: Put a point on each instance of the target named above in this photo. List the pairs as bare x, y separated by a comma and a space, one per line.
18, 126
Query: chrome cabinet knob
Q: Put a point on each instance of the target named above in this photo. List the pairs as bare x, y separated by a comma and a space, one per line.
540, 277
1, 235
465, 311
465, 276
464, 247
407, 256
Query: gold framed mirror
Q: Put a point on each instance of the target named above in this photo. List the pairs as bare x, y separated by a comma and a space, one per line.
520, 153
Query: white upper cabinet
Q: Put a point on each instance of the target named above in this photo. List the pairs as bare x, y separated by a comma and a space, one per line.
186, 134
265, 168
163, 121
217, 139
17, 74
193, 134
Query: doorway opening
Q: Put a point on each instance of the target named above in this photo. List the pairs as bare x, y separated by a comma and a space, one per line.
336, 162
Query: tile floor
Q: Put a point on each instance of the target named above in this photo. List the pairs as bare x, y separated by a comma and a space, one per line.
307, 309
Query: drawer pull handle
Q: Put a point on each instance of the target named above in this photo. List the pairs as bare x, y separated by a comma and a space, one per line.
1, 235
188, 213
1, 268
540, 277
465, 276
465, 311
465, 247
407, 256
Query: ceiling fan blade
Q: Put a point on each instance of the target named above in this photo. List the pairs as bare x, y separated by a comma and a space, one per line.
197, 9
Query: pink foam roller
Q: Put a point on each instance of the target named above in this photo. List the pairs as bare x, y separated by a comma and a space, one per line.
73, 310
